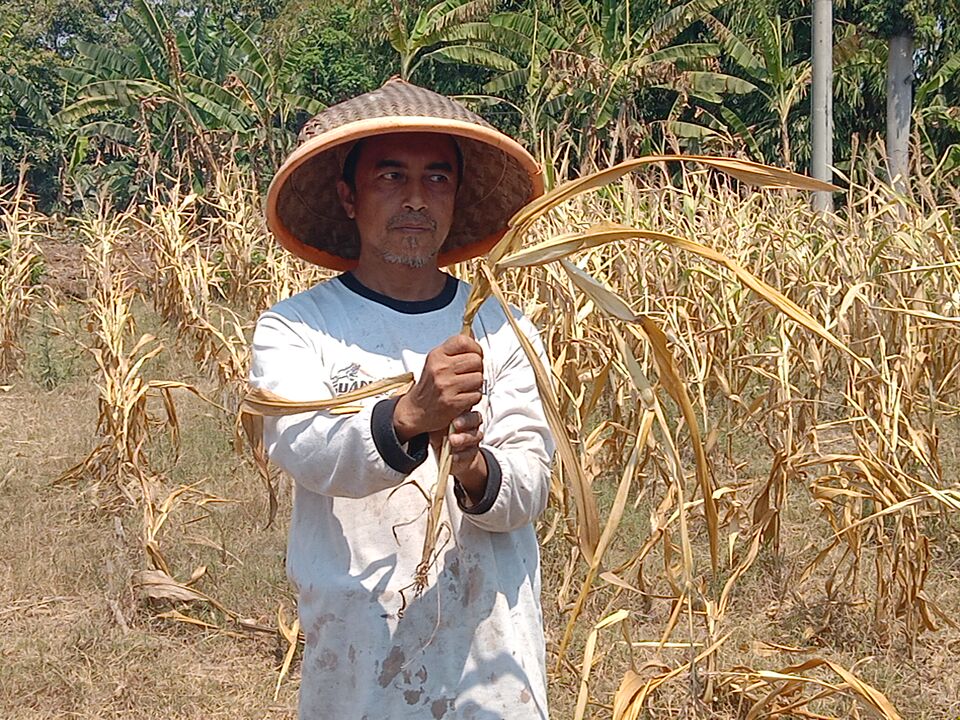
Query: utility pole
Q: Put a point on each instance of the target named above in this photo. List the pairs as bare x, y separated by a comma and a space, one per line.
821, 120
899, 108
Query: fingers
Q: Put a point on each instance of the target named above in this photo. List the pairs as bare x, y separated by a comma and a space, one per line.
466, 435
461, 345
461, 443
450, 384
467, 422
459, 461
460, 387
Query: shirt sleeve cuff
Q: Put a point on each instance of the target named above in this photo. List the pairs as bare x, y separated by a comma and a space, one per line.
490, 493
403, 460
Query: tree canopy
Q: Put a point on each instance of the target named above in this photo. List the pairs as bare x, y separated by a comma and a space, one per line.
108, 92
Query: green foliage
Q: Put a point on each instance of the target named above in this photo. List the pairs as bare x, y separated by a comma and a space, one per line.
106, 94
860, 108
52, 358
28, 88
894, 17
608, 77
324, 57
447, 31
189, 93
761, 45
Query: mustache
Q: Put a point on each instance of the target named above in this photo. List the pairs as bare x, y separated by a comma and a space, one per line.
418, 219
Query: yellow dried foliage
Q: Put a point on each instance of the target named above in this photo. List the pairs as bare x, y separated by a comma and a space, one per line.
661, 348
20, 226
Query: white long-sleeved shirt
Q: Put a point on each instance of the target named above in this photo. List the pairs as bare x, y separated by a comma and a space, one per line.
472, 645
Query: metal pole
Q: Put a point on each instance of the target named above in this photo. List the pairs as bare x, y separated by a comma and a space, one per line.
899, 107
821, 120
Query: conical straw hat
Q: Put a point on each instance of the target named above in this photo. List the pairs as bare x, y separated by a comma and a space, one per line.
304, 212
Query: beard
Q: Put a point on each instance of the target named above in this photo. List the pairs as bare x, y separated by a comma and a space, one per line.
412, 261
409, 253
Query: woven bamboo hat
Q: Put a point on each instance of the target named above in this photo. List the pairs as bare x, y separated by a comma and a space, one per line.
304, 212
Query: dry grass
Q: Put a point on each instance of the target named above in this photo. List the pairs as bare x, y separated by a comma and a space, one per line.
832, 474
77, 641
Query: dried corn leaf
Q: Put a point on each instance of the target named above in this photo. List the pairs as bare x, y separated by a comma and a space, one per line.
670, 378
588, 653
291, 634
258, 403
793, 674
773, 296
631, 697
563, 246
262, 402
431, 537
588, 525
922, 314
609, 530
178, 616
600, 294
744, 170
159, 585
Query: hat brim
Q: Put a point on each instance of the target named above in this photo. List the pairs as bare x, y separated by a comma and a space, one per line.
286, 205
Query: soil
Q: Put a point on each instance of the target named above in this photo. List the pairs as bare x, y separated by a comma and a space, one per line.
64, 270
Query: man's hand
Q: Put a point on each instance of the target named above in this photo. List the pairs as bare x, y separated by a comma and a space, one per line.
467, 462
448, 387
468, 465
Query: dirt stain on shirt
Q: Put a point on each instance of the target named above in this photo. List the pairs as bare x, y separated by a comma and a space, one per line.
439, 708
392, 666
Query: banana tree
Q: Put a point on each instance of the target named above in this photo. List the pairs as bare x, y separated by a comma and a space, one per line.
759, 43
589, 63
183, 90
766, 56
442, 33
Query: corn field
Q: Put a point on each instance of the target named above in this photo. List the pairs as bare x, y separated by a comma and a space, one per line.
723, 458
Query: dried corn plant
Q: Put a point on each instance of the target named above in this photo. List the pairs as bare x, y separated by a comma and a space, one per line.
234, 229
118, 474
117, 468
20, 259
253, 271
185, 280
784, 392
661, 351
791, 691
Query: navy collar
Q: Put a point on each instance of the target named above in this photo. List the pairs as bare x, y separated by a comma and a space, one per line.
409, 307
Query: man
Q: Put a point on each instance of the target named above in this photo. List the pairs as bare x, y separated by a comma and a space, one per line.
392, 186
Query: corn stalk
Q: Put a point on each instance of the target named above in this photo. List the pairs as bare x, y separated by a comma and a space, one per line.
20, 258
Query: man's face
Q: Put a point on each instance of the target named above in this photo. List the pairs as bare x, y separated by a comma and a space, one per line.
403, 196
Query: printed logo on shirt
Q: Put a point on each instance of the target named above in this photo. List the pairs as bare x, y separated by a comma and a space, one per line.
349, 379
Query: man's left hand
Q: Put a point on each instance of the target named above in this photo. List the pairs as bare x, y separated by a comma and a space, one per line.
467, 462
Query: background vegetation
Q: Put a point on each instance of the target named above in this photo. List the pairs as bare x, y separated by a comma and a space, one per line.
88, 86
775, 531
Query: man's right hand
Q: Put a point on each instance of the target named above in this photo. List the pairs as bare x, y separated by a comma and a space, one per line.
449, 386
